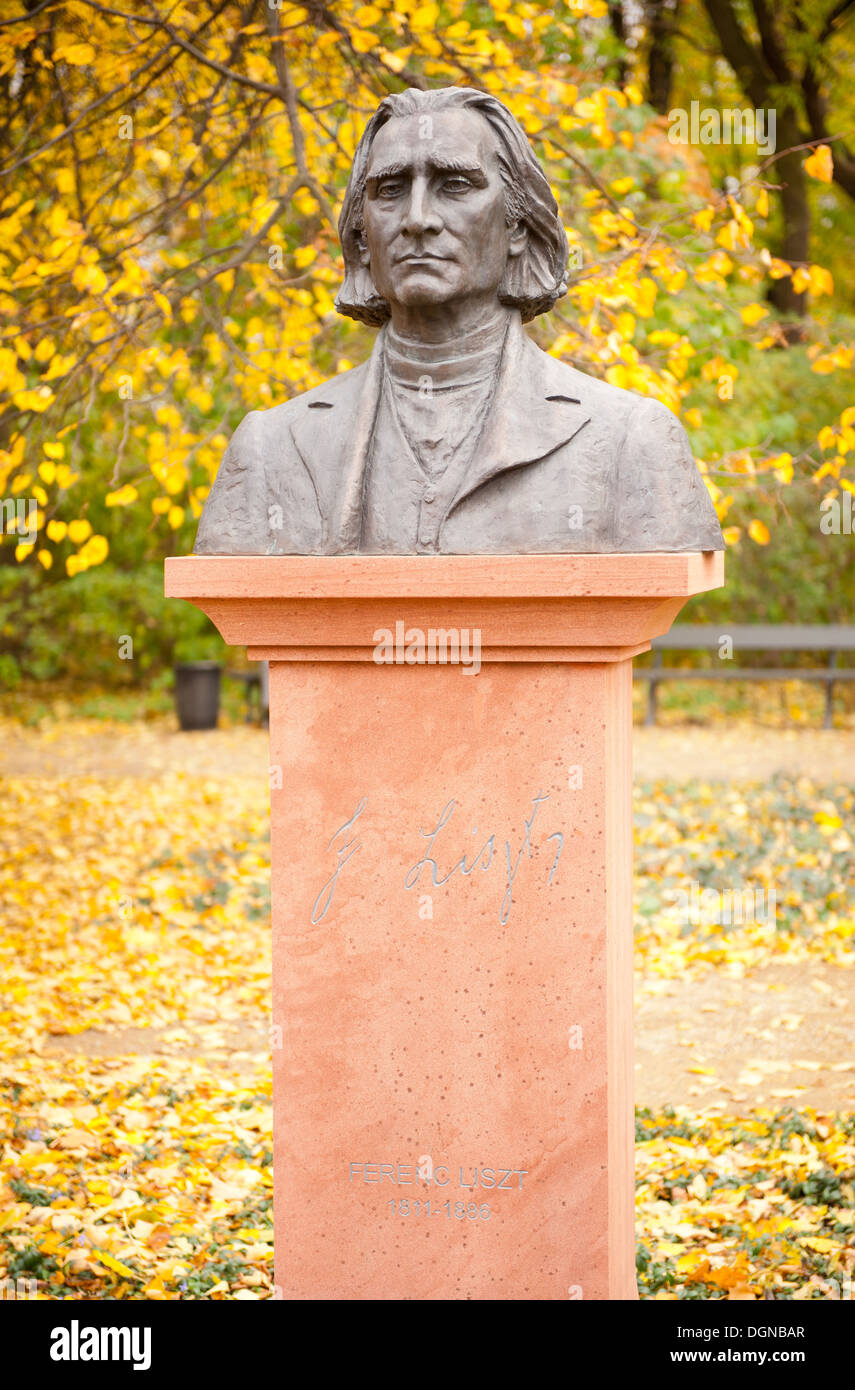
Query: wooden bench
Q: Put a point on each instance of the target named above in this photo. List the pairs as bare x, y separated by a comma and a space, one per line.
751, 637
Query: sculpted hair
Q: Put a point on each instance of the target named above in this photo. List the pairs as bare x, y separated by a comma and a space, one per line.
534, 280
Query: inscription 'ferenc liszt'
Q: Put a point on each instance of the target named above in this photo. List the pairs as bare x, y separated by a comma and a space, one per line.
344, 843
459, 435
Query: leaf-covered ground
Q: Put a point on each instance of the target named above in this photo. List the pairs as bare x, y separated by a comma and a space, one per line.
142, 902
790, 838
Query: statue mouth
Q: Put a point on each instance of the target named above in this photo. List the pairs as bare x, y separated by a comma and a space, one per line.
415, 257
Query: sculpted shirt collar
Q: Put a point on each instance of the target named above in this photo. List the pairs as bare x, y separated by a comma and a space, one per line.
530, 416
468, 359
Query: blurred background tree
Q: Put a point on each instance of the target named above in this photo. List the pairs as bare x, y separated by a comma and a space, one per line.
169, 260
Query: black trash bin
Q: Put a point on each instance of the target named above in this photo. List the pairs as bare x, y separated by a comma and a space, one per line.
197, 693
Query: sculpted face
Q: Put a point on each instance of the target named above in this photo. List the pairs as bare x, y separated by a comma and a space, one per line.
434, 213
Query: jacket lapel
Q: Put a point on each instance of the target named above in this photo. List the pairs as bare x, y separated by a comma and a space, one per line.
333, 438
531, 415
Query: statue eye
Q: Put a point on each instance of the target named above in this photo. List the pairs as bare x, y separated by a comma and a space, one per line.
389, 188
456, 183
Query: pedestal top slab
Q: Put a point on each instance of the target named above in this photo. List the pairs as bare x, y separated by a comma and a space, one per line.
520, 607
444, 576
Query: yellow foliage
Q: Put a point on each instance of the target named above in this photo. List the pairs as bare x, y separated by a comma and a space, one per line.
820, 164
93, 295
122, 497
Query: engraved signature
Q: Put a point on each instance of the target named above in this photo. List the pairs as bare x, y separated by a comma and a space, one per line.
483, 858
344, 852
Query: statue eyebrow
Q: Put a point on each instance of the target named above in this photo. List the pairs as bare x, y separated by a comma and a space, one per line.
388, 171
440, 164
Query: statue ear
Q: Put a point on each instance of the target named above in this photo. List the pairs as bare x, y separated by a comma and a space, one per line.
518, 239
362, 249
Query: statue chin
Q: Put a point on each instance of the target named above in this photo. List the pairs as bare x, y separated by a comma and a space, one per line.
419, 296
423, 289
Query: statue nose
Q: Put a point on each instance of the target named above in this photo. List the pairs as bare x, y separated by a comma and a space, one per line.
421, 213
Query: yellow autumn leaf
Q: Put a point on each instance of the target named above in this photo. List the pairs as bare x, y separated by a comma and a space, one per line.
79, 530
424, 17
110, 1262
826, 437
821, 280
396, 61
122, 497
40, 399
820, 164
363, 40
95, 551
801, 279
89, 277
783, 466
819, 1244
59, 366
163, 305
758, 532
78, 54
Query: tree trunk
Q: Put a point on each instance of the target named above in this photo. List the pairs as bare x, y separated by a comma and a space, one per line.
618, 27
764, 78
795, 210
661, 15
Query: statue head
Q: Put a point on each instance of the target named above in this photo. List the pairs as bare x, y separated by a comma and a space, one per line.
447, 199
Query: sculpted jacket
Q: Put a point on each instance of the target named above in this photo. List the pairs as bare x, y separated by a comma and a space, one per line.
564, 463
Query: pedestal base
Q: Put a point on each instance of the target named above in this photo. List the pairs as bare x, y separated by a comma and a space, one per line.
461, 1004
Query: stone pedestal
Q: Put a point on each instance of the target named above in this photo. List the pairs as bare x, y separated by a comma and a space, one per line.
452, 911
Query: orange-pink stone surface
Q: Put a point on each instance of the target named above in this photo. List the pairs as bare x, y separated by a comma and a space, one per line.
452, 924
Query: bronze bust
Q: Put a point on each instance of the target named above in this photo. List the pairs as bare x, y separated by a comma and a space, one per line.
458, 436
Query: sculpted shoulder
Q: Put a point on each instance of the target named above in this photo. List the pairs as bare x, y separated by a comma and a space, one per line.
308, 406
602, 401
